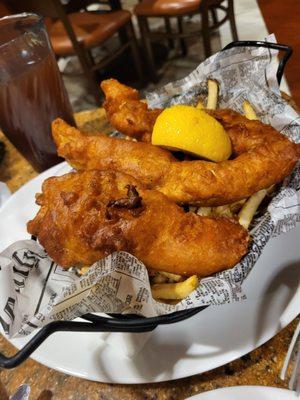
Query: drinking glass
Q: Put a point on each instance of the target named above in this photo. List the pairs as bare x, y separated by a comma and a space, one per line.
32, 93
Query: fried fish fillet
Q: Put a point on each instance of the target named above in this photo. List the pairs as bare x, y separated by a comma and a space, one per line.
126, 112
262, 157
87, 215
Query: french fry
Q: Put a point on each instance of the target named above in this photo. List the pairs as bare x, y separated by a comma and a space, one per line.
204, 211
249, 111
212, 98
130, 138
200, 105
83, 270
228, 210
171, 277
223, 211
159, 278
175, 291
249, 208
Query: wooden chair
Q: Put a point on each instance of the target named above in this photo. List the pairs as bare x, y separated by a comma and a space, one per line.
4, 11
168, 9
75, 31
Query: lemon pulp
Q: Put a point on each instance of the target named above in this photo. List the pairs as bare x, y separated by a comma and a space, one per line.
192, 130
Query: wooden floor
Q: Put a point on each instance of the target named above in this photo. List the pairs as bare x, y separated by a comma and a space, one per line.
282, 17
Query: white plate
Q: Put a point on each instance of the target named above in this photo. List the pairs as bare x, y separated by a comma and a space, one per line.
247, 393
212, 338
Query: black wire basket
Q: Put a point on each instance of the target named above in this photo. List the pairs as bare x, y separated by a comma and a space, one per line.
118, 322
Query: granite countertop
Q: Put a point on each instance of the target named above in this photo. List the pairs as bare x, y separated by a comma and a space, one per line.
260, 367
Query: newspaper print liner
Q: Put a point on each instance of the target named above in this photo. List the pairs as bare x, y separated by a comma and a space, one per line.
35, 290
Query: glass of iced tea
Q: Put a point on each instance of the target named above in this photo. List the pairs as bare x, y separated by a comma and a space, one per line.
32, 93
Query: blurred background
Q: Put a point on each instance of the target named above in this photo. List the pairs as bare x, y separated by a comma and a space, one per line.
151, 42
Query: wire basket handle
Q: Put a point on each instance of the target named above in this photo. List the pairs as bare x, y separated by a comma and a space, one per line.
288, 51
104, 325
95, 323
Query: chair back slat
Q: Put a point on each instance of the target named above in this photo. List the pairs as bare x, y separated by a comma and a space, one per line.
77, 5
51, 8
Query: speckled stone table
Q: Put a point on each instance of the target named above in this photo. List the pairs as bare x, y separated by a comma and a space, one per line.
260, 367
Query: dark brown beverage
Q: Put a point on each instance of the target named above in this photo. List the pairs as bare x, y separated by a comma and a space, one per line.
32, 93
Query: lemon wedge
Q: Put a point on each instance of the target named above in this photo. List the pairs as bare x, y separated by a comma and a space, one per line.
191, 130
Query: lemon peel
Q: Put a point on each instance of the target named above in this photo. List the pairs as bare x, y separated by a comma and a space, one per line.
192, 130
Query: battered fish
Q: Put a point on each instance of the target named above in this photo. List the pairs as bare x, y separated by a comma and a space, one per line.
263, 157
126, 112
85, 216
